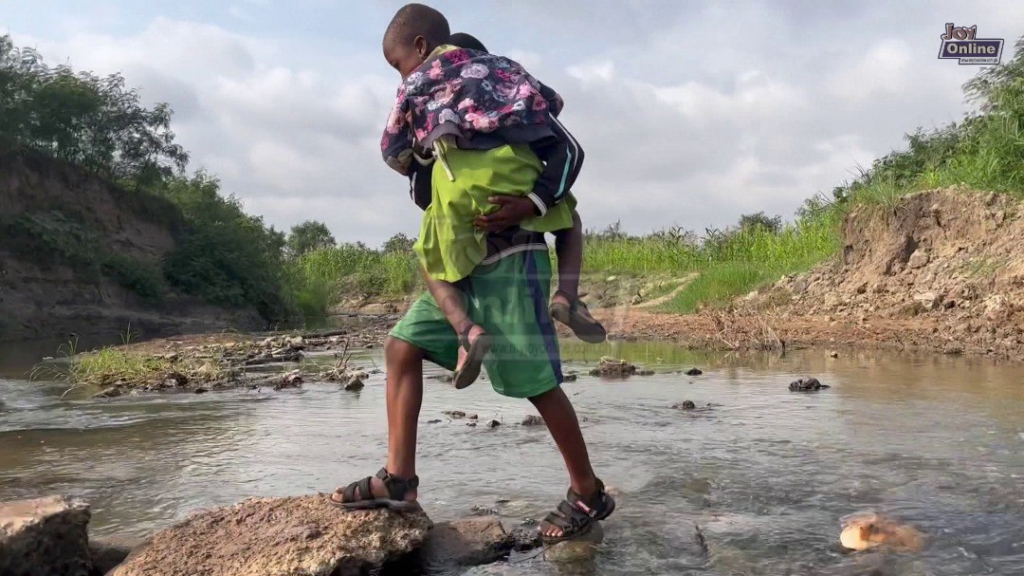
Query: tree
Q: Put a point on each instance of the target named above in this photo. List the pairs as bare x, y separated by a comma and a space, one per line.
399, 243
308, 236
760, 220
96, 123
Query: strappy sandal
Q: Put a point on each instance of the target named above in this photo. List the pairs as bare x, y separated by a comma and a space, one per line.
470, 371
577, 316
397, 489
572, 518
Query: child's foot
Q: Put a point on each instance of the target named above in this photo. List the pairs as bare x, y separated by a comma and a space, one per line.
475, 343
572, 312
380, 491
575, 516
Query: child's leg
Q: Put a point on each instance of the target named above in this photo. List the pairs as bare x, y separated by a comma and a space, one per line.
565, 304
474, 340
449, 300
560, 417
569, 247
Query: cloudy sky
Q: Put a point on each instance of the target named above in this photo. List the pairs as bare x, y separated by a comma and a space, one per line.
691, 113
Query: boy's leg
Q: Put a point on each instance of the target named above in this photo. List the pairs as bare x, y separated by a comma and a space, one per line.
558, 413
565, 304
404, 363
510, 300
452, 303
423, 334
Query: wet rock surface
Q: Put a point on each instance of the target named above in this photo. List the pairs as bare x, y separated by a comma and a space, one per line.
807, 385
617, 368
108, 554
296, 536
463, 543
580, 550
44, 537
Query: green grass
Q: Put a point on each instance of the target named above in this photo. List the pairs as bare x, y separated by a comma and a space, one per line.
321, 278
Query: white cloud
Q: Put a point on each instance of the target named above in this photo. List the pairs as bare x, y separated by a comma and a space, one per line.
688, 116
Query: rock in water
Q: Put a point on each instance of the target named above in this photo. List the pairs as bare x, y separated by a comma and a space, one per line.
469, 542
806, 385
45, 536
296, 536
355, 384
694, 372
107, 555
580, 549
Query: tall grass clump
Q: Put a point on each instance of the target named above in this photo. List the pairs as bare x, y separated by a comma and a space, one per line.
323, 277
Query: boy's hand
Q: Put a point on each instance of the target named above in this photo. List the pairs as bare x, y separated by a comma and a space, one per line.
512, 210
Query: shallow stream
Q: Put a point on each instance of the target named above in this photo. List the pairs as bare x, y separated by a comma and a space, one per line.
766, 473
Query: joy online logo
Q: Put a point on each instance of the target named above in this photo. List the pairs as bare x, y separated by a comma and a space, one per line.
960, 43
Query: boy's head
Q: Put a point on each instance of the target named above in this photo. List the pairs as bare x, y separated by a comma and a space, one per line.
412, 35
463, 40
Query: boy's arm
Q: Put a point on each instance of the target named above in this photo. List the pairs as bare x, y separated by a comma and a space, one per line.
563, 159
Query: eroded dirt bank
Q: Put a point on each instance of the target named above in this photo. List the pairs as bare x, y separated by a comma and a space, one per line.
941, 271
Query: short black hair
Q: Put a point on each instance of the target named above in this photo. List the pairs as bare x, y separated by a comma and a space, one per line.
414, 20
463, 40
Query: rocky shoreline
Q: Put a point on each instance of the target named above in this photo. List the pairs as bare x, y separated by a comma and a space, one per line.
212, 362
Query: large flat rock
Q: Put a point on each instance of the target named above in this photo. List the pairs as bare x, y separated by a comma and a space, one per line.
44, 537
296, 536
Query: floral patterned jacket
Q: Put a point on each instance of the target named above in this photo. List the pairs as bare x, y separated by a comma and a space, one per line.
481, 99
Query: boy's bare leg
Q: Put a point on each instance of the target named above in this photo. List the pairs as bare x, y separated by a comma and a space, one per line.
404, 397
560, 417
449, 300
569, 247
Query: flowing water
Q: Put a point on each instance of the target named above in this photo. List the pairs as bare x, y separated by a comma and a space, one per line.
765, 473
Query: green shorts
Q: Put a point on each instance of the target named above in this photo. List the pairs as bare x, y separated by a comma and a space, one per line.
508, 299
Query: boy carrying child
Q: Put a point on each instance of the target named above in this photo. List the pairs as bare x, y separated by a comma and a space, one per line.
483, 116
562, 157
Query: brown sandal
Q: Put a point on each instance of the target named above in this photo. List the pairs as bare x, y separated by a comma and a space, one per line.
474, 362
577, 316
